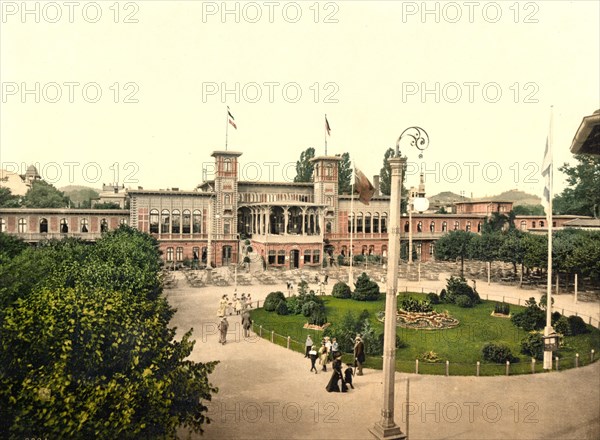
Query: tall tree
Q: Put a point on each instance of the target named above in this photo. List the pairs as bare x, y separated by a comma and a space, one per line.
345, 175
8, 199
385, 174
582, 196
304, 167
454, 245
44, 195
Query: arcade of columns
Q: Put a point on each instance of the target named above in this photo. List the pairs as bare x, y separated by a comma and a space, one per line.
280, 220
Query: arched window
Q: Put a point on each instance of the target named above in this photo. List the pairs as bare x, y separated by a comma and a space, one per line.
64, 226
406, 226
478, 226
468, 227
533, 224
227, 165
541, 224
227, 199
364, 249
420, 227
2, 224
350, 222
384, 251
154, 221
328, 227
444, 226
359, 222
165, 222
197, 222
368, 223
123, 221
22, 225
432, 226
179, 254
524, 224
376, 222
384, 222
176, 221
43, 225
84, 225
104, 224
187, 221
169, 256
456, 225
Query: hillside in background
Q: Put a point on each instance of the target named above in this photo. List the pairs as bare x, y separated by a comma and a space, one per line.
519, 198
79, 194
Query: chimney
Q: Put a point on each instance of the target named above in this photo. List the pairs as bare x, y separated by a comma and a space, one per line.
376, 184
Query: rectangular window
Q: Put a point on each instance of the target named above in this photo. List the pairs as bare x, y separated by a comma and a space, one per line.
179, 254
272, 257
281, 257
169, 254
306, 257
316, 256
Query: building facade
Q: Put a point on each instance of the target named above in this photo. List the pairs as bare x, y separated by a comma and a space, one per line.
289, 225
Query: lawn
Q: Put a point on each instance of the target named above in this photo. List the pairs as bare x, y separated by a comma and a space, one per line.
461, 346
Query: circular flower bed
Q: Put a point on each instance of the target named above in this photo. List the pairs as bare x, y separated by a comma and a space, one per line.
422, 320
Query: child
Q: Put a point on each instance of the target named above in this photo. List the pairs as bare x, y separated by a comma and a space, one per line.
348, 373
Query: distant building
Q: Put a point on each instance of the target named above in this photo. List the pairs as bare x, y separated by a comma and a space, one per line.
112, 193
587, 136
19, 184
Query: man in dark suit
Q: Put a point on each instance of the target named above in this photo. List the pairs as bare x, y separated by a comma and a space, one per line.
359, 354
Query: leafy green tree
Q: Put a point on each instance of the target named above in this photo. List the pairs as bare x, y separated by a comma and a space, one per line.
385, 174
345, 175
536, 251
512, 249
44, 195
10, 246
496, 222
528, 210
304, 167
454, 245
8, 199
582, 196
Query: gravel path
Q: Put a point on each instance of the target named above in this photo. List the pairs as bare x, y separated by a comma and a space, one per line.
267, 392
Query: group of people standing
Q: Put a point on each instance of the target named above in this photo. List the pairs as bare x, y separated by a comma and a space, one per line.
240, 306
329, 352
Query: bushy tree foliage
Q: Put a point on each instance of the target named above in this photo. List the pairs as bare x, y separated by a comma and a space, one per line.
341, 290
85, 347
44, 195
454, 245
456, 290
533, 345
582, 195
345, 175
8, 199
366, 289
532, 318
304, 167
498, 353
272, 300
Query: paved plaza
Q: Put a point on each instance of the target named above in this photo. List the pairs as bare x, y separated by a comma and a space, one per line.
267, 391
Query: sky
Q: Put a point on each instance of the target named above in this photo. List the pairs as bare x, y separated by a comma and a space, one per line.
136, 92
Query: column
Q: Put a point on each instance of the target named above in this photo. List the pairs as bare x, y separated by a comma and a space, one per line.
285, 220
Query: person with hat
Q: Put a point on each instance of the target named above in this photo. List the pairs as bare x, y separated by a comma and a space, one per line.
308, 345
223, 327
323, 356
359, 354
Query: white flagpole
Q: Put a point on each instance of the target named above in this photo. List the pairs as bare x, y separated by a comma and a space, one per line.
325, 134
548, 329
352, 222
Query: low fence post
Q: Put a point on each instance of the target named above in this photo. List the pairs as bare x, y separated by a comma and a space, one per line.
556, 359
416, 366
288, 342
260, 331
478, 367
576, 360
507, 368
272, 335
532, 365
447, 368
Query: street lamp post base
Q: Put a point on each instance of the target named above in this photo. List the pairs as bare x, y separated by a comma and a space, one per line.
391, 433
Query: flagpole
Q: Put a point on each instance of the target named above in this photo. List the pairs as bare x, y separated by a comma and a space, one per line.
226, 125
351, 274
548, 329
325, 134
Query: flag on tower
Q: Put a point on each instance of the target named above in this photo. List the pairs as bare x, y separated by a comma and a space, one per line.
363, 187
231, 118
327, 127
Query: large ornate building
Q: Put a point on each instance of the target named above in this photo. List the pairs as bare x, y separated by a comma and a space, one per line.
290, 225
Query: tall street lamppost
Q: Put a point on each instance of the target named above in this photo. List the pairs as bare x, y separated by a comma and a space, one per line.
386, 428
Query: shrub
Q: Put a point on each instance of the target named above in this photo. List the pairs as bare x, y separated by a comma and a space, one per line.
309, 307
317, 317
433, 298
555, 317
502, 308
341, 290
533, 345
497, 353
282, 308
246, 259
443, 296
577, 325
272, 300
246, 242
532, 318
294, 307
457, 286
463, 301
364, 315
366, 290
409, 304
562, 326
